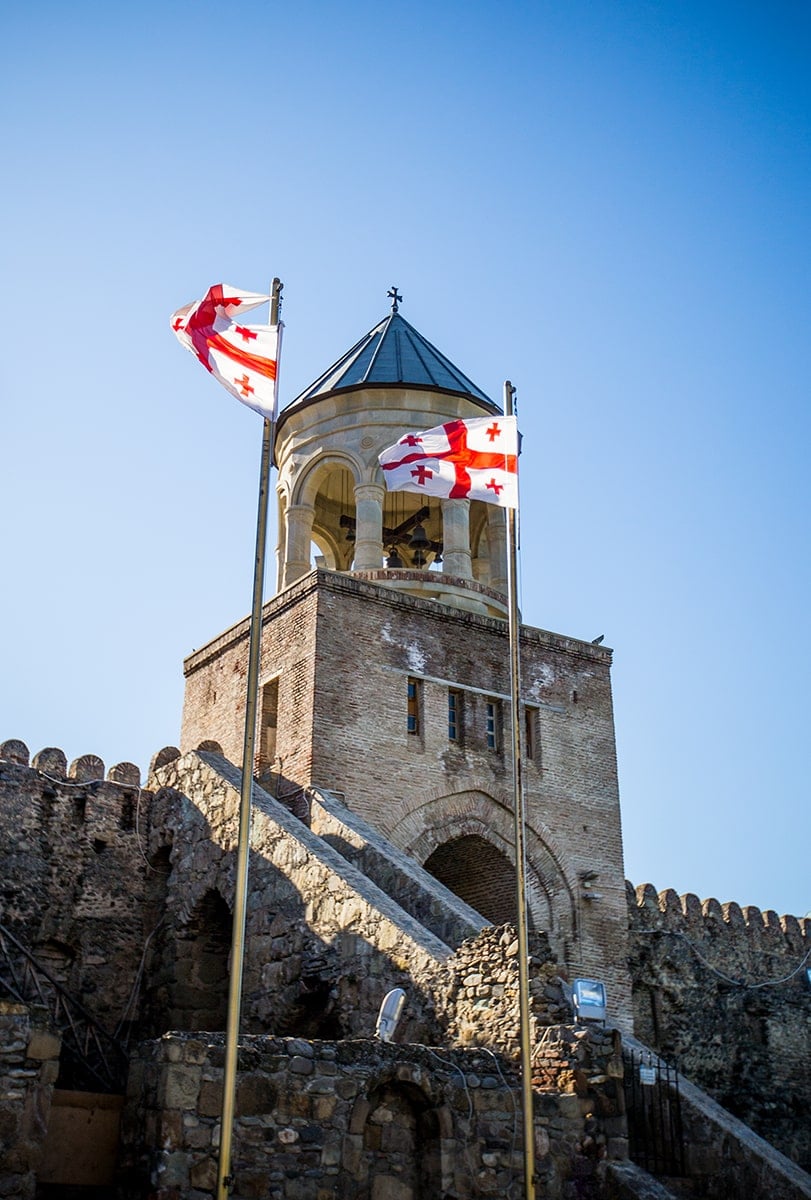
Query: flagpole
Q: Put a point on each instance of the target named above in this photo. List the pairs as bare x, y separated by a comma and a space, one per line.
520, 833
224, 1177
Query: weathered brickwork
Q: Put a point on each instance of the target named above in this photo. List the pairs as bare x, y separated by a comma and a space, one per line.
422, 790
722, 993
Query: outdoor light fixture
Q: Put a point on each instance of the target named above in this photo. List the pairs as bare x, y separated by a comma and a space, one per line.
390, 1012
588, 998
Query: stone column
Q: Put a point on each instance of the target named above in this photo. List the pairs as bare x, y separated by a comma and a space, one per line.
281, 528
497, 546
369, 526
456, 556
299, 526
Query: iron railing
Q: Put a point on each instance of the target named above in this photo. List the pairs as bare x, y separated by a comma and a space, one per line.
653, 1106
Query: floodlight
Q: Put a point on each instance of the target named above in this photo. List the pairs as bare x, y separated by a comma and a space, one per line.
390, 1012
588, 997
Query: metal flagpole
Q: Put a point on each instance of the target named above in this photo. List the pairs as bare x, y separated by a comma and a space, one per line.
224, 1176
520, 832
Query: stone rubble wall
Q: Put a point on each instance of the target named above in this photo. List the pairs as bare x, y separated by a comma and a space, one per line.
29, 1063
73, 871
350, 1120
724, 1157
310, 911
721, 992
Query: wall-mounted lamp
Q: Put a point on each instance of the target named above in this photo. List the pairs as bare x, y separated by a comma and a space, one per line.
589, 999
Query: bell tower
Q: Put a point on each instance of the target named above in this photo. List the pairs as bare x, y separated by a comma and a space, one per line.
384, 673
333, 505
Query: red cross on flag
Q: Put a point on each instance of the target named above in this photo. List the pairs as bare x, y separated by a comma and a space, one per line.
244, 358
475, 459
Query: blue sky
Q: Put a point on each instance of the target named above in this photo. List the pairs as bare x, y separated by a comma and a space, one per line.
606, 203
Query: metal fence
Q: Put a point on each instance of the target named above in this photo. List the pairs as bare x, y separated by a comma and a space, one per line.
653, 1106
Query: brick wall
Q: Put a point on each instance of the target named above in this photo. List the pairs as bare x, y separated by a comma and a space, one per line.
347, 649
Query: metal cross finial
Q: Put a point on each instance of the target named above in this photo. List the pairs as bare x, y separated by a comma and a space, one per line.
395, 297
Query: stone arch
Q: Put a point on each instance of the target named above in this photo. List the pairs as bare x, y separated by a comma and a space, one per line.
443, 819
400, 1139
328, 487
191, 983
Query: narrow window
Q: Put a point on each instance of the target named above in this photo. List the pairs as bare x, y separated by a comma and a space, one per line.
531, 732
268, 725
413, 706
492, 723
454, 715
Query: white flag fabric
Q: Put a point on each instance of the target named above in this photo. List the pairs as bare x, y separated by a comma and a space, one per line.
244, 358
475, 459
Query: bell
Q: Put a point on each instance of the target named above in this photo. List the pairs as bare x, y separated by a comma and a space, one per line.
419, 558
394, 561
438, 557
418, 539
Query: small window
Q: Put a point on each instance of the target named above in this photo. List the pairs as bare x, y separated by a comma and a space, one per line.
531, 733
492, 724
268, 725
413, 706
454, 715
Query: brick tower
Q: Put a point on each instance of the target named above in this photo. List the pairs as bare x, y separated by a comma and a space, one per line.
385, 669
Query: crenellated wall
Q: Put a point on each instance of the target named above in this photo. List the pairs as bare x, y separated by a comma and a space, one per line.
74, 872
721, 992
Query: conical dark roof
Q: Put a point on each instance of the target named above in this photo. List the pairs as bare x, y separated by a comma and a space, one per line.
391, 353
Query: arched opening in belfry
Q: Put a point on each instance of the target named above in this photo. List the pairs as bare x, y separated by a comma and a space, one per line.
196, 985
334, 520
401, 1145
479, 874
412, 530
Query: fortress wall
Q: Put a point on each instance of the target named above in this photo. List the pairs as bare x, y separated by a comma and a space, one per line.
354, 1119
721, 992
73, 875
29, 1062
324, 944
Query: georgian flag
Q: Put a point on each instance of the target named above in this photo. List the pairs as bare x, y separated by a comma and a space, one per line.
244, 358
475, 459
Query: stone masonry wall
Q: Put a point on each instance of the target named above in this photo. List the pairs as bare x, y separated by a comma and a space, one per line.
721, 992
29, 1062
73, 872
351, 1120
324, 944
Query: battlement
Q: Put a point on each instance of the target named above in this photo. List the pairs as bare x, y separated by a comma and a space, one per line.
760, 930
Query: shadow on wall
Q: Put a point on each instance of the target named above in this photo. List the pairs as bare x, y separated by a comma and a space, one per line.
295, 983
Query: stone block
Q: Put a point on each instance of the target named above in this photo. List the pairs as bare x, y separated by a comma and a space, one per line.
43, 1045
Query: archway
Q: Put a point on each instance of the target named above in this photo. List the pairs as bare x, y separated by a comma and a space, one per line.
479, 874
401, 1144
190, 986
